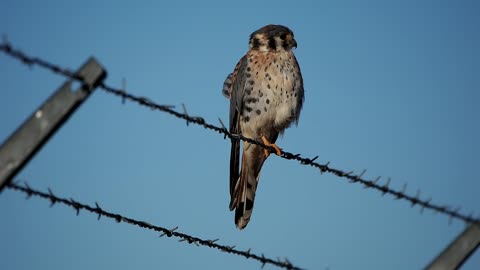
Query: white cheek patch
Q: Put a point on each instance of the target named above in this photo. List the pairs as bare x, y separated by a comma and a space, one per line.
279, 42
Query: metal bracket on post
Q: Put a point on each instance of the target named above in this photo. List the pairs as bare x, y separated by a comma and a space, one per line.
458, 251
22, 145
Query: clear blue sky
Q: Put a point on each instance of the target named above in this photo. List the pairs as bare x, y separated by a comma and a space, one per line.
391, 86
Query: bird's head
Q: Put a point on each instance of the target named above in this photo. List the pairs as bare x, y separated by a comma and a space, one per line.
272, 38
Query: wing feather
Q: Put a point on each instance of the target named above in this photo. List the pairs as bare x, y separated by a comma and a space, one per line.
236, 95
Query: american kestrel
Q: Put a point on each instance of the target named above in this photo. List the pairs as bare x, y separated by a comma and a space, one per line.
266, 96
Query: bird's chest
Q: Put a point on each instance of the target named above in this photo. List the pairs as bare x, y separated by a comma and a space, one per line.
270, 98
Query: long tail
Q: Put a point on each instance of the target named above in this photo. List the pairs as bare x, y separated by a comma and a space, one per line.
243, 195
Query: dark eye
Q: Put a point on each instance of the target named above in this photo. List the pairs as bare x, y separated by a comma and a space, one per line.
283, 36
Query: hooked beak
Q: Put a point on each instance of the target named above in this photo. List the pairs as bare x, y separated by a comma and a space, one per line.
294, 43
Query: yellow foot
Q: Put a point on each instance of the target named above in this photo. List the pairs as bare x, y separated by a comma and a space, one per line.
278, 151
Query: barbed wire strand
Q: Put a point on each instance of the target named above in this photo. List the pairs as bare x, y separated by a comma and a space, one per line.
77, 206
414, 200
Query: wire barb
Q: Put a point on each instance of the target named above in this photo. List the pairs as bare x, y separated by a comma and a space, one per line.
98, 210
169, 233
77, 206
52, 197
383, 189
225, 130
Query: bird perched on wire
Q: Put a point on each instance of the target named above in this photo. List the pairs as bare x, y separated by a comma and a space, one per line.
266, 97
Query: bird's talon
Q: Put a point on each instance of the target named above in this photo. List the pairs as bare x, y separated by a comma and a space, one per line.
278, 151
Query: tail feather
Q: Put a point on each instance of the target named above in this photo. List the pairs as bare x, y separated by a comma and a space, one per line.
243, 195
244, 209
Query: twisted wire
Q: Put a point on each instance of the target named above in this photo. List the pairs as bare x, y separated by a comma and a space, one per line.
77, 206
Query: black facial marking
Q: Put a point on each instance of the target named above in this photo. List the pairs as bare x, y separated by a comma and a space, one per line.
283, 36
249, 109
255, 43
272, 44
268, 100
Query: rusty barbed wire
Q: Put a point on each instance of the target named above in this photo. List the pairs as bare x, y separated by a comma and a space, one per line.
77, 206
414, 200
